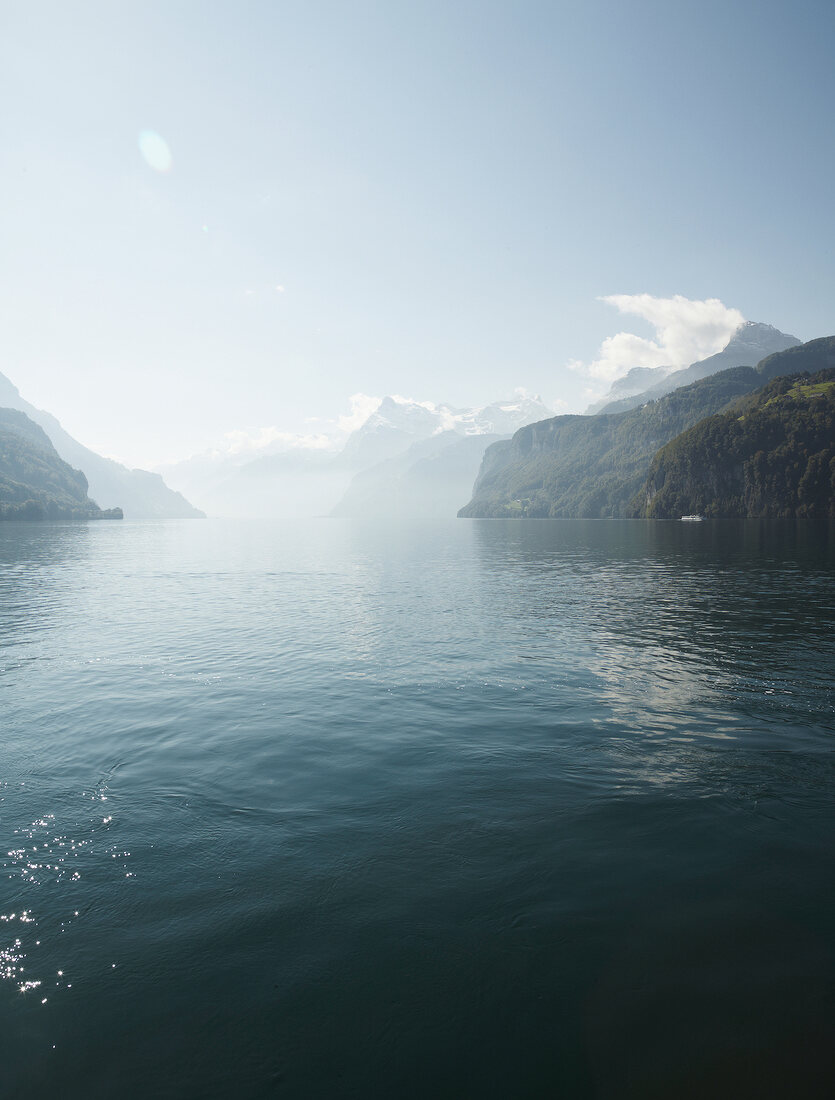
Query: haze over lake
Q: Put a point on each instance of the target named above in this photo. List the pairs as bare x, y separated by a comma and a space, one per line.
480, 808
308, 789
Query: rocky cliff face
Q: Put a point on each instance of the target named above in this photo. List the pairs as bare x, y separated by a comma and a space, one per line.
430, 455
593, 466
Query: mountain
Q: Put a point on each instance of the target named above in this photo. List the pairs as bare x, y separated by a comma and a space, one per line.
429, 480
500, 418
433, 474
592, 466
750, 344
392, 428
772, 455
141, 494
399, 423
314, 481
35, 483
636, 381
294, 484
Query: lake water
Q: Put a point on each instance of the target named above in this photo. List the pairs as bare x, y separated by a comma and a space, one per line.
479, 809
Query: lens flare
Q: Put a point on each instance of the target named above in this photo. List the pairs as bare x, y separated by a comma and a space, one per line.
155, 151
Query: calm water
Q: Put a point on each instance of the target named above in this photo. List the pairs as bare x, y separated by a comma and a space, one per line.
483, 809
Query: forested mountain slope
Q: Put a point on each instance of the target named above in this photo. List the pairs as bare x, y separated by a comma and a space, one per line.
35, 483
594, 466
773, 457
142, 494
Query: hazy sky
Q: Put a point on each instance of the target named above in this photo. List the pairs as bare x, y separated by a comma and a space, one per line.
221, 217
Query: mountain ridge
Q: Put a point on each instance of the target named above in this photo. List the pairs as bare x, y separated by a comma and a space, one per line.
303, 481
428, 480
593, 466
140, 493
770, 456
749, 345
35, 482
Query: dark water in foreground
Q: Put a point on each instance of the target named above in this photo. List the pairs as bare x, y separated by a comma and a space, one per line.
484, 809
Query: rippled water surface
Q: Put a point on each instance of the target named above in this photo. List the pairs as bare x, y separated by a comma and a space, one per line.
482, 809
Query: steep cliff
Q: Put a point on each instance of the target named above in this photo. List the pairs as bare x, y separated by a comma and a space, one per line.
593, 466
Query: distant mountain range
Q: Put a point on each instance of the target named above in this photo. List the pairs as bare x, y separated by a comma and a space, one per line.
636, 381
429, 480
751, 343
434, 473
706, 439
396, 424
35, 483
139, 493
596, 466
404, 450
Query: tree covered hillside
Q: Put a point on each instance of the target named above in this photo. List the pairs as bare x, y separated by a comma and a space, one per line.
143, 494
595, 467
592, 466
773, 456
34, 482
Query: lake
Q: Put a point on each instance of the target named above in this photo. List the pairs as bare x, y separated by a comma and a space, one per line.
471, 809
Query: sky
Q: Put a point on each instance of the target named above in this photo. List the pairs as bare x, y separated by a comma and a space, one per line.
224, 219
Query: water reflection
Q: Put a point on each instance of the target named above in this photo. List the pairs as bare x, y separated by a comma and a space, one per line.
710, 598
487, 801
690, 633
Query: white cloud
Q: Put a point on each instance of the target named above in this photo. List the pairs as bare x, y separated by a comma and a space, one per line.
686, 330
250, 440
362, 406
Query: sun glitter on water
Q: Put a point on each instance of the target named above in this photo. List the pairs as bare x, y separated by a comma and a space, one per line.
155, 151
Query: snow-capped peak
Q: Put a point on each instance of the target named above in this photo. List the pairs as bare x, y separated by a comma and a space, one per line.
399, 421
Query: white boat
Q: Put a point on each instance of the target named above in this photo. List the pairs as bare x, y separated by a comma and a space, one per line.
692, 519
